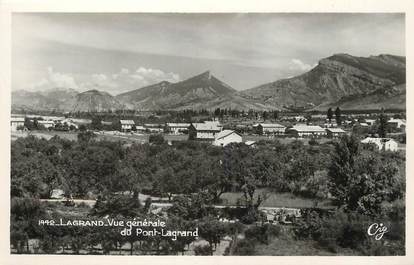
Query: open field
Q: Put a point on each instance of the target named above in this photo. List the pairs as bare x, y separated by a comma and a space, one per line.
277, 199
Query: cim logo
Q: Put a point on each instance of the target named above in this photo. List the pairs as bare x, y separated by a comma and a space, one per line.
377, 230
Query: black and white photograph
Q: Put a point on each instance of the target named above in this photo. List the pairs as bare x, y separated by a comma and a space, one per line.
208, 134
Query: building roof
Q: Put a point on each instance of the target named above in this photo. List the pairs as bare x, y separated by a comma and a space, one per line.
399, 121
224, 133
249, 143
171, 124
17, 119
216, 123
153, 125
271, 125
377, 140
206, 127
335, 130
307, 128
45, 122
127, 122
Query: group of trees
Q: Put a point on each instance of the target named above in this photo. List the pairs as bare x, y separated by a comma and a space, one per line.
337, 113
89, 167
194, 176
365, 185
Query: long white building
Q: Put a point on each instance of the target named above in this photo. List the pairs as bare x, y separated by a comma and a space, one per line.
303, 130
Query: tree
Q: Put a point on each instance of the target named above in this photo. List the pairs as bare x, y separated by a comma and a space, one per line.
338, 117
86, 137
308, 118
343, 168
30, 125
383, 126
25, 215
135, 170
117, 205
217, 112
157, 139
329, 114
215, 181
96, 123
361, 180
212, 231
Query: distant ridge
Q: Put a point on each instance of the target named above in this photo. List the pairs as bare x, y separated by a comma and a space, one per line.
203, 91
96, 101
339, 80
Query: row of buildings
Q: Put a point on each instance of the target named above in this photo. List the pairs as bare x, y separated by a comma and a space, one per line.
213, 131
208, 129
299, 130
18, 123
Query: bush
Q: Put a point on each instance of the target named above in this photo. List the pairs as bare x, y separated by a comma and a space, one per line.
262, 234
203, 250
83, 205
156, 139
252, 215
349, 230
313, 142
244, 247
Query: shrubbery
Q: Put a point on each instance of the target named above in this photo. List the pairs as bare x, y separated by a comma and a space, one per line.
262, 234
349, 230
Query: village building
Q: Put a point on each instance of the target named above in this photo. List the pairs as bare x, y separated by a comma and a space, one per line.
396, 123
348, 122
269, 128
250, 143
106, 123
47, 124
203, 131
70, 123
386, 144
226, 137
303, 130
177, 128
154, 127
16, 123
57, 194
335, 132
214, 123
370, 122
127, 125
300, 119
140, 128
330, 124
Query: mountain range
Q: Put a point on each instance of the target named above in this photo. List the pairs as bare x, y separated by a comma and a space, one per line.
342, 80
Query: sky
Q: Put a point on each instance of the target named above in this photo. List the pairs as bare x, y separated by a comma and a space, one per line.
125, 51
